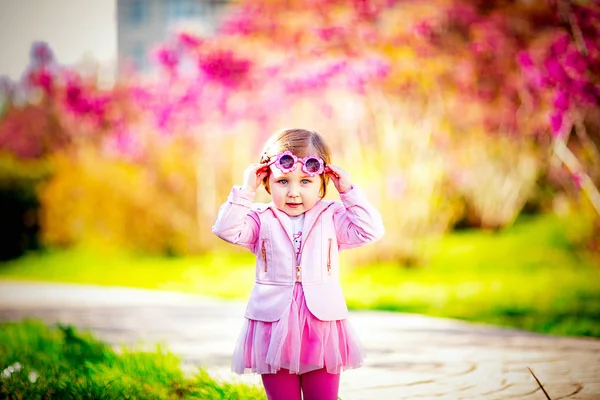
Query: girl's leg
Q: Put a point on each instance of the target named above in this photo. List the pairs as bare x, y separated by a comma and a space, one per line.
320, 385
282, 385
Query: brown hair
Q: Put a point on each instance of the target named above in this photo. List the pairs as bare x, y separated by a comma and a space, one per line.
302, 143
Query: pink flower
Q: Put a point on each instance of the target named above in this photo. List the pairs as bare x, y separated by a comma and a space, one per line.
524, 59
377, 67
124, 142
366, 9
40, 78
464, 14
422, 29
163, 116
556, 122
330, 33
241, 22
74, 98
188, 40
561, 101
45, 80
561, 45
577, 180
167, 58
576, 61
555, 71
41, 54
224, 67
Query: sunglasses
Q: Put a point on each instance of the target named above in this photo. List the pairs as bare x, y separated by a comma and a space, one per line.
286, 161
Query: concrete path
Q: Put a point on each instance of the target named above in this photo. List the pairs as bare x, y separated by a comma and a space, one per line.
408, 356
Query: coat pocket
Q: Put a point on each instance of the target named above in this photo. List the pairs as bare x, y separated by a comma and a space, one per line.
265, 266
263, 252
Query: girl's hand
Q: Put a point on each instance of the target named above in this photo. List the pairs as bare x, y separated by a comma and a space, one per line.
253, 176
340, 177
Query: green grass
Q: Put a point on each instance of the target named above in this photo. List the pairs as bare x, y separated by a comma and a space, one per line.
37, 362
528, 276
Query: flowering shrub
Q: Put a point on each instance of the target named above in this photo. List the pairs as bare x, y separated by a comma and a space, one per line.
440, 109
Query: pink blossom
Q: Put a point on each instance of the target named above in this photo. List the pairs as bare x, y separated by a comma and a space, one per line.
316, 78
330, 33
555, 71
140, 95
370, 36
45, 80
377, 67
531, 72
98, 104
556, 122
524, 59
576, 61
124, 142
74, 98
163, 117
370, 69
561, 101
464, 14
560, 45
422, 29
188, 40
167, 58
577, 180
224, 67
40, 78
242, 22
366, 9
85, 104
41, 54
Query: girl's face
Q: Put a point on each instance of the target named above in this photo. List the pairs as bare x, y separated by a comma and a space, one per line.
295, 192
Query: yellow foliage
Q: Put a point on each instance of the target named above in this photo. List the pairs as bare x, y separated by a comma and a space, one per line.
102, 201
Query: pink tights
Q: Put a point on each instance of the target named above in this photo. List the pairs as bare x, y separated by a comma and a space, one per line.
315, 385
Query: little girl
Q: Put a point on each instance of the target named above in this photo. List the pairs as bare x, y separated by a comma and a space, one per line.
296, 334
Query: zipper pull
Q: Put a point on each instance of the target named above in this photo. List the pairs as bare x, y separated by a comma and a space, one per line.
329, 258
264, 255
297, 273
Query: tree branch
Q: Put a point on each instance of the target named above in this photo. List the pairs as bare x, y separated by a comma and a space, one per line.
570, 161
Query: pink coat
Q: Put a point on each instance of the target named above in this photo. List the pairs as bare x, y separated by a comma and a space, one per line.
329, 227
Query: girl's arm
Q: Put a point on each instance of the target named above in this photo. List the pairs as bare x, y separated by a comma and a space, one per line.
236, 223
357, 222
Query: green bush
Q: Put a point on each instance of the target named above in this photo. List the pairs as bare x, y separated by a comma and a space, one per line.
19, 205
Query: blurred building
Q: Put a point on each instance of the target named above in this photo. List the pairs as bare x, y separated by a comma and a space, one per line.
142, 24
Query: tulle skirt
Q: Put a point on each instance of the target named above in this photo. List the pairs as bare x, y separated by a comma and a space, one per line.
298, 342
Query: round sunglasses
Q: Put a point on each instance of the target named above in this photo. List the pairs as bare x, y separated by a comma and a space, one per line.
286, 161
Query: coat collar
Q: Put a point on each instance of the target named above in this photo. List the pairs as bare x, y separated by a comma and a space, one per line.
310, 217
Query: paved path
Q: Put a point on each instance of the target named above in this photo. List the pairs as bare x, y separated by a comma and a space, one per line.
408, 356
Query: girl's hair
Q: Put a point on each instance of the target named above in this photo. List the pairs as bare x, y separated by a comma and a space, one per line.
302, 143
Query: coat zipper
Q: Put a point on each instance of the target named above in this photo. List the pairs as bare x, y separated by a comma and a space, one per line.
298, 267
264, 254
329, 257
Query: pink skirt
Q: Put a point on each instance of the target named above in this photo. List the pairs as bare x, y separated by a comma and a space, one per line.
298, 342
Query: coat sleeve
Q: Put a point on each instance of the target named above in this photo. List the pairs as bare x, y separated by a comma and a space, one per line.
236, 223
357, 222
